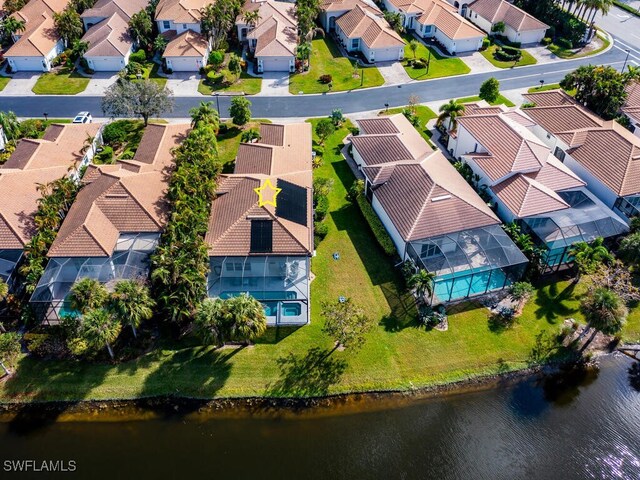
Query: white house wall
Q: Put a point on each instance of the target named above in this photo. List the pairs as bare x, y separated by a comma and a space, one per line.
35, 64
480, 22
389, 226
465, 143
178, 27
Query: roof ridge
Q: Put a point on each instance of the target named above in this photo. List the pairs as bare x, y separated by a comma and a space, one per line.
134, 199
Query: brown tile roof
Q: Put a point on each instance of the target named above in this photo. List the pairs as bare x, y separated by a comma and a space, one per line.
109, 38
556, 176
503, 11
37, 41
346, 5
34, 10
237, 203
276, 32
525, 196
187, 44
477, 109
411, 140
380, 149
381, 125
632, 105
119, 199
272, 134
446, 19
556, 119
180, 11
550, 98
426, 199
106, 8
374, 30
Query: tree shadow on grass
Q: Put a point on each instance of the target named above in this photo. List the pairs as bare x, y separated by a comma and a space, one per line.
550, 303
634, 376
308, 375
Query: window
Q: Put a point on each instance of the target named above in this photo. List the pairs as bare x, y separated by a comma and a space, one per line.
166, 24
355, 43
427, 29
184, 26
429, 250
559, 154
536, 222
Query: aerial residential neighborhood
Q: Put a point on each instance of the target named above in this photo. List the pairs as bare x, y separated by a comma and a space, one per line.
233, 228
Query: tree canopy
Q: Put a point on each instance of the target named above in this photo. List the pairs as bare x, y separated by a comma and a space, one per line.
240, 110
68, 25
490, 90
143, 99
346, 323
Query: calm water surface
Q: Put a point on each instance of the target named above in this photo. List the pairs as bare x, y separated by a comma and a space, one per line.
585, 425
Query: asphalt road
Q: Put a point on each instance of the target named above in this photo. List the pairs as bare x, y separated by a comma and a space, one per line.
626, 28
320, 105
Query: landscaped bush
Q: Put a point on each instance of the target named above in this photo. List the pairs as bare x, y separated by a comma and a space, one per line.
486, 43
134, 68
105, 156
326, 79
216, 57
507, 54
546, 41
418, 64
139, 56
383, 238
115, 133
320, 229
228, 78
322, 208
564, 43
32, 128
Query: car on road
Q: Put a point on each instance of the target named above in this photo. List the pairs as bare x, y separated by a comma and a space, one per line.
83, 117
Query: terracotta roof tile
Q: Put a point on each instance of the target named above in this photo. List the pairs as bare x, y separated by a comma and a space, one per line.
381, 125
108, 38
550, 98
187, 44
555, 119
106, 8
180, 11
446, 19
276, 31
503, 11
373, 30
525, 197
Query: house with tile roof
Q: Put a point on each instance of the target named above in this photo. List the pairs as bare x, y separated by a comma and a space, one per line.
273, 39
331, 10
603, 153
530, 186
438, 20
361, 30
520, 26
115, 223
433, 216
60, 153
103, 9
631, 107
110, 44
260, 235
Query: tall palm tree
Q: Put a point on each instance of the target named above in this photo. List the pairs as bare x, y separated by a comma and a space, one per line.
451, 110
100, 328
88, 294
10, 124
212, 321
79, 48
131, 303
251, 17
247, 318
422, 283
11, 26
588, 256
604, 311
205, 113
88, 144
160, 43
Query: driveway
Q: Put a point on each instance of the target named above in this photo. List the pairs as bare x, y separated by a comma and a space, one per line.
184, 84
21, 84
99, 82
477, 63
393, 73
275, 84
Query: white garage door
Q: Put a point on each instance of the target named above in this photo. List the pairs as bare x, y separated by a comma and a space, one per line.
275, 64
27, 64
386, 54
106, 64
468, 45
183, 64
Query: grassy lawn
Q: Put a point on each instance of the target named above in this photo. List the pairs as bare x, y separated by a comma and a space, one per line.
3, 82
150, 71
424, 114
64, 82
551, 86
287, 361
439, 66
229, 140
526, 59
570, 53
247, 84
501, 100
326, 60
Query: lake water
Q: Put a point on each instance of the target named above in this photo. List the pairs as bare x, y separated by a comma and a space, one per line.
583, 425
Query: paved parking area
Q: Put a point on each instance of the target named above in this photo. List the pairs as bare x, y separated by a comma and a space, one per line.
393, 73
275, 84
21, 84
99, 82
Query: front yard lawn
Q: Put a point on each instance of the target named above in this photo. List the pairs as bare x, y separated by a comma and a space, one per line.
326, 60
246, 83
526, 59
3, 82
150, 71
501, 100
603, 44
63, 82
439, 66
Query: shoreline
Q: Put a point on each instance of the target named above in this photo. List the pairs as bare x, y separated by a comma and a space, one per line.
177, 406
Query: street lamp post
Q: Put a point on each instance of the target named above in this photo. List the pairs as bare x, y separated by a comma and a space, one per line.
541, 84
45, 115
217, 94
386, 106
625, 60
428, 61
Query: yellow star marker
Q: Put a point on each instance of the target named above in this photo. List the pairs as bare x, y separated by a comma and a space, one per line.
267, 193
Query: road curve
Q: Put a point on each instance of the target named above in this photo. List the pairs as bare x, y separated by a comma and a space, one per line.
320, 105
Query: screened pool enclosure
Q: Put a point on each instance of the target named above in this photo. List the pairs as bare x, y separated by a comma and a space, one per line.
280, 283
469, 263
586, 220
8, 261
130, 260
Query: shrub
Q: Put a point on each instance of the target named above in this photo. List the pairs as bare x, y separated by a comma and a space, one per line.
115, 133
321, 188
138, 57
228, 78
486, 43
490, 90
134, 68
546, 41
325, 79
382, 237
320, 230
32, 128
510, 55
105, 156
322, 208
418, 64
216, 57
564, 43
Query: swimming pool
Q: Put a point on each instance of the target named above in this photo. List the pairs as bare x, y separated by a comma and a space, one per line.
447, 289
262, 295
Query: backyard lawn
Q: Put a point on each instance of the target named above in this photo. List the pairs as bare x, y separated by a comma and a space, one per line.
526, 59
64, 82
439, 66
327, 60
3, 82
298, 362
246, 83
501, 100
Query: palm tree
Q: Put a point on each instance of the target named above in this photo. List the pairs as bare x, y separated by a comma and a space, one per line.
251, 17
87, 144
11, 26
413, 46
604, 311
212, 321
205, 113
10, 124
160, 43
451, 110
303, 51
422, 283
247, 318
100, 328
79, 48
87, 294
131, 303
587, 257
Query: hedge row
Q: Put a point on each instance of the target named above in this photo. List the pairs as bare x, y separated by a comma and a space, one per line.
383, 238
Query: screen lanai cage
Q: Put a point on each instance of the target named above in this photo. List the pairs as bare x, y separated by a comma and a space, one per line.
586, 220
469, 263
280, 283
9, 259
130, 260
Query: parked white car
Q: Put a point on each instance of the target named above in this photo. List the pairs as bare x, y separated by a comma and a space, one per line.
83, 117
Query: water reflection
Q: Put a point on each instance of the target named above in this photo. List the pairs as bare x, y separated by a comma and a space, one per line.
634, 376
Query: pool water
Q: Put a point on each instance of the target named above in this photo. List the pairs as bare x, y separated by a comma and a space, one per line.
262, 295
447, 289
67, 311
287, 310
